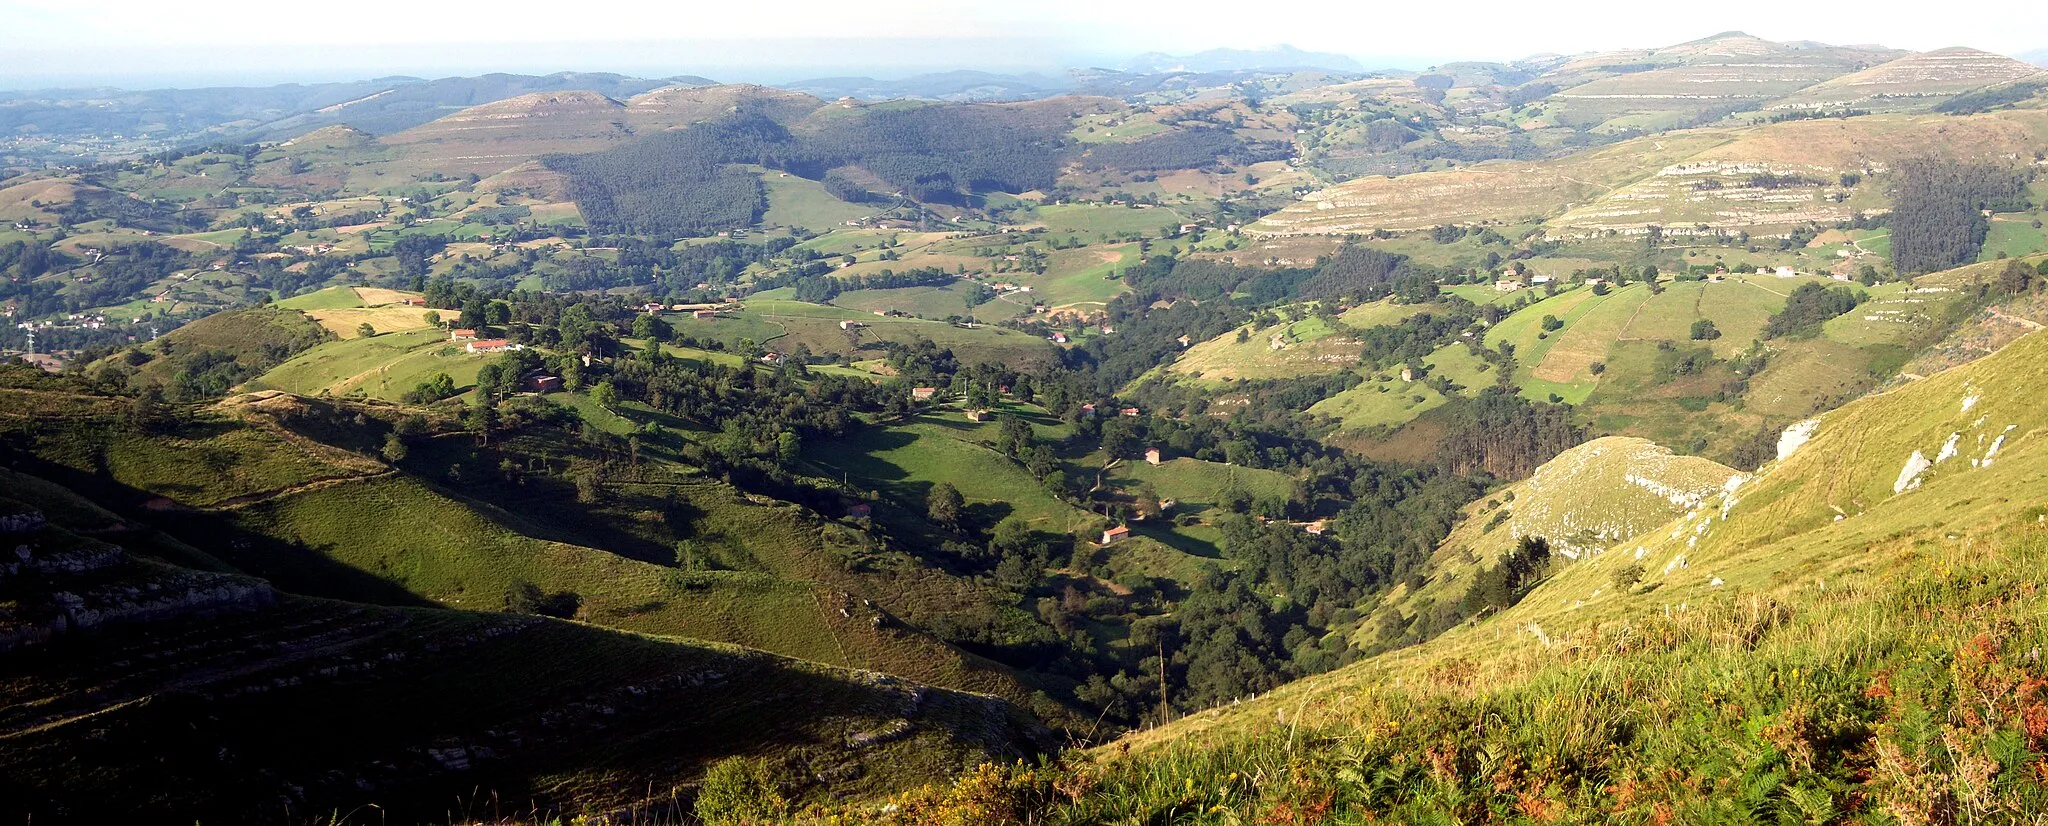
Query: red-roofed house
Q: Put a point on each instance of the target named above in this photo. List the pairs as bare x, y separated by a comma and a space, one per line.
492, 345
1115, 535
461, 335
923, 394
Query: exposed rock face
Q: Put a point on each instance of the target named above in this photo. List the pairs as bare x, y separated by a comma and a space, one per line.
55, 583
22, 522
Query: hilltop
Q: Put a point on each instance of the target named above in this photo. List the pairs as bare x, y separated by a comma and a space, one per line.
1914, 81
1699, 80
1680, 182
494, 136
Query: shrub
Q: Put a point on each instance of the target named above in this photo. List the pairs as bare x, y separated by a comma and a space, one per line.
737, 791
1627, 576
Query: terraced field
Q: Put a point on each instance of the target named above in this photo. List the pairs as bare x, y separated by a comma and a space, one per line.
1676, 180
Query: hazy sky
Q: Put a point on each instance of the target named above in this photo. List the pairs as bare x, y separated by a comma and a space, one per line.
138, 43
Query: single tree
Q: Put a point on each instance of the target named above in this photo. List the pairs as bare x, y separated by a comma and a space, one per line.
944, 504
394, 448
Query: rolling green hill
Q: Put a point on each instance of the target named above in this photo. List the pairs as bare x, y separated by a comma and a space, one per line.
382, 367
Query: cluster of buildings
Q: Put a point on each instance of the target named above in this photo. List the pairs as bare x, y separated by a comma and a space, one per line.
72, 321
1089, 411
1508, 285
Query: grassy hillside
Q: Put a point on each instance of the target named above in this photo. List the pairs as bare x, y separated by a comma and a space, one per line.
1678, 180
1915, 81
326, 521
221, 350
782, 324
1820, 643
1697, 80
384, 367
1587, 501
420, 709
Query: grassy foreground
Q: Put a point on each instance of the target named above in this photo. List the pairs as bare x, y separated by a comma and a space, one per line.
1917, 699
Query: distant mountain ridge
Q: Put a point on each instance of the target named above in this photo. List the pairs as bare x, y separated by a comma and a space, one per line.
1281, 56
380, 107
961, 85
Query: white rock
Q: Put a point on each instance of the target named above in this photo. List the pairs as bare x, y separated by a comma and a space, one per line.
1992, 451
1909, 476
1795, 436
1948, 449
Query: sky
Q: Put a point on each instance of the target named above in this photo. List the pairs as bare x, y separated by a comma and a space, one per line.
151, 43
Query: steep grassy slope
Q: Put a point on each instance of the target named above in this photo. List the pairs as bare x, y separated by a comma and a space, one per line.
1819, 644
214, 353
1594, 497
1284, 350
276, 501
1828, 517
191, 701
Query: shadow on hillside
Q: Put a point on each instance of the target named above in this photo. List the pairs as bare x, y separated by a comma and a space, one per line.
856, 455
987, 514
290, 566
1175, 540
